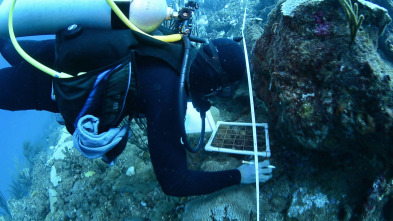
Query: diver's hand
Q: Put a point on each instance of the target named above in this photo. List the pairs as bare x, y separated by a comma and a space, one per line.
247, 172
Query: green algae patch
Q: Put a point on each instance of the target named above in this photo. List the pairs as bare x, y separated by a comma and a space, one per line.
90, 173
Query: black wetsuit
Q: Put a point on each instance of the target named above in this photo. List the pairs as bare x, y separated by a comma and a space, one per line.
157, 100
22, 86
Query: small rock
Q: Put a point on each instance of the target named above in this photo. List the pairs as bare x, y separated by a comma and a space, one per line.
130, 171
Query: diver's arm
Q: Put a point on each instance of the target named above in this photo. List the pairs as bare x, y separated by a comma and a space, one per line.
41, 17
158, 89
170, 166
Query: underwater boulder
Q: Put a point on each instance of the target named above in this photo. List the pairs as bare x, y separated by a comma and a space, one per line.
321, 77
385, 43
236, 203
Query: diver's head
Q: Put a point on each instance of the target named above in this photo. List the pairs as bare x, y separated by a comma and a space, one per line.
217, 69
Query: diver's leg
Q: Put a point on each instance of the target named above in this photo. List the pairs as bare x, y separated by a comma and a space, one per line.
43, 51
25, 91
24, 87
13, 94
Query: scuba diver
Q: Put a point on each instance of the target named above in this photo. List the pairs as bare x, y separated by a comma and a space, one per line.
120, 73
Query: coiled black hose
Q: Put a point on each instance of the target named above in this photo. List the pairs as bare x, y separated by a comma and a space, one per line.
182, 98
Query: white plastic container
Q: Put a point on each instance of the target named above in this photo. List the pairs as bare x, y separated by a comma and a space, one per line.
193, 121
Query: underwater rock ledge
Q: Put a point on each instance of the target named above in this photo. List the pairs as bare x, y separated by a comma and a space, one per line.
323, 91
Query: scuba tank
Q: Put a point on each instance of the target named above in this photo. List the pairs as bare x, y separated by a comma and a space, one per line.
42, 17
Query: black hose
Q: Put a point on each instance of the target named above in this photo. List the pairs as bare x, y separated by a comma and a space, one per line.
182, 98
199, 40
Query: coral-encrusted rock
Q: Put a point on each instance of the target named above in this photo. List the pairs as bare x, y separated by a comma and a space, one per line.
237, 204
324, 91
386, 40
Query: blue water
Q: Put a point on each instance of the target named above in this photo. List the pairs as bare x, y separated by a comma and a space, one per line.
15, 128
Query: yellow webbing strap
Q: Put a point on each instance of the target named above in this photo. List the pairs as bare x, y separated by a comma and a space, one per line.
27, 57
119, 13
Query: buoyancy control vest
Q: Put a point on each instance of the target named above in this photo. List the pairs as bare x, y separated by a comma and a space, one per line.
108, 90
96, 51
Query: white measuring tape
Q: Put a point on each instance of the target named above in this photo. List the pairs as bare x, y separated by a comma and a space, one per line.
254, 129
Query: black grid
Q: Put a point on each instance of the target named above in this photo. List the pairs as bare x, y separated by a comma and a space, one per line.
237, 137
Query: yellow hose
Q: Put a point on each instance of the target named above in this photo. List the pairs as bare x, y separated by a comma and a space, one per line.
56, 74
27, 57
119, 13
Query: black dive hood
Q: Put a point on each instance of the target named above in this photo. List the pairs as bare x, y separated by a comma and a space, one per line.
216, 70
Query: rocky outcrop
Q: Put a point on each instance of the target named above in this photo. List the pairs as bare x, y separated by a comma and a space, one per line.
223, 206
324, 91
386, 40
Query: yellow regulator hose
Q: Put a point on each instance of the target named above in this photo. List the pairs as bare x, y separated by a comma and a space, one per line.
27, 57
56, 74
119, 13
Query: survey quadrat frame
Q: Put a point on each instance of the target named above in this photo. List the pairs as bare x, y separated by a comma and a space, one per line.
237, 138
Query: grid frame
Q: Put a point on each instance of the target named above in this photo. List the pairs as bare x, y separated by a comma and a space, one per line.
237, 138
